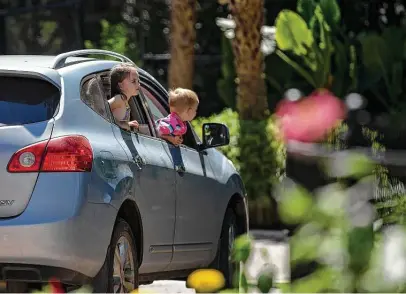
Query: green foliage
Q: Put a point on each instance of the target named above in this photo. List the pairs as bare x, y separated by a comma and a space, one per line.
265, 280
313, 44
292, 33
295, 206
310, 42
349, 252
306, 9
257, 158
383, 57
259, 172
242, 249
230, 119
115, 37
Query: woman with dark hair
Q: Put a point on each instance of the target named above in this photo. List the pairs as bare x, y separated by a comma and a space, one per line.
125, 83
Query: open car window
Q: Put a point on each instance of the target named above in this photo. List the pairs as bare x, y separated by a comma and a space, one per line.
137, 112
157, 111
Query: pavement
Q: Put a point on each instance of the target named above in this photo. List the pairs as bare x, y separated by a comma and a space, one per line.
271, 248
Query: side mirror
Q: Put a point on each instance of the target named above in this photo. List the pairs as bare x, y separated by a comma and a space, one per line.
215, 135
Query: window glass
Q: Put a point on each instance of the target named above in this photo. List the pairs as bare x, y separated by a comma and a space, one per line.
93, 96
157, 110
27, 100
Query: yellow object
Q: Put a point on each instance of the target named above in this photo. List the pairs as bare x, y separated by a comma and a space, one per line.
206, 280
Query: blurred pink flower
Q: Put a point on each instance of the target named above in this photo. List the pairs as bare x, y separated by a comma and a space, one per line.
310, 118
56, 286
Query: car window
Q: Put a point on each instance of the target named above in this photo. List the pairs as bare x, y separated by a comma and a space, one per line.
25, 100
93, 96
157, 110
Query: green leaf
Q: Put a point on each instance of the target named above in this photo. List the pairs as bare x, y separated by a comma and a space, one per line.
392, 37
331, 12
241, 249
292, 33
265, 281
317, 282
397, 78
295, 205
374, 53
233, 291
306, 9
240, 281
360, 246
359, 165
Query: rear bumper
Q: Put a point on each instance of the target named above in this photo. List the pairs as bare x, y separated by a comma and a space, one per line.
60, 244
59, 229
39, 273
72, 250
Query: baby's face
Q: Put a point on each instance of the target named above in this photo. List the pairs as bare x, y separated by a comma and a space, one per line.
190, 113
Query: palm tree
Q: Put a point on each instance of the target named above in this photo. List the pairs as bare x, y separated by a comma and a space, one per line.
257, 158
183, 36
248, 59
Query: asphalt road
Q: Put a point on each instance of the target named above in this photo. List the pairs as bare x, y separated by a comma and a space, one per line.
270, 249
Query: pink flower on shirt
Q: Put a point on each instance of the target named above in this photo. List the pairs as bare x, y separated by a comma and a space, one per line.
171, 125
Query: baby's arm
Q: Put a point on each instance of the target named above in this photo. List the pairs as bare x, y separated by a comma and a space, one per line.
175, 140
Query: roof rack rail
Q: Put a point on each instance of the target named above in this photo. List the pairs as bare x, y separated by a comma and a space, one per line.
60, 59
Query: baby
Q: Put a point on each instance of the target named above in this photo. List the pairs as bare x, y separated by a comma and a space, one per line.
183, 105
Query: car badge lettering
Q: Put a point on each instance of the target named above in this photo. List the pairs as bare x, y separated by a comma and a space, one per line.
6, 202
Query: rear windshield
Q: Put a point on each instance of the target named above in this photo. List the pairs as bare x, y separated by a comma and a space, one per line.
26, 100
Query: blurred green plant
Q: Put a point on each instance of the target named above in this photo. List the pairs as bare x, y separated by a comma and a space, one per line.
390, 194
335, 230
384, 58
115, 37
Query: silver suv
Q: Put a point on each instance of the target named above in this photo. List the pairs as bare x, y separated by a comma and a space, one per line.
87, 202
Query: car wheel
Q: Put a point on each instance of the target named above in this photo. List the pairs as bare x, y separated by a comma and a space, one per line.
119, 273
229, 232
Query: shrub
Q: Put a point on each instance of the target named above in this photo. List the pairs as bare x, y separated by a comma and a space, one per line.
272, 149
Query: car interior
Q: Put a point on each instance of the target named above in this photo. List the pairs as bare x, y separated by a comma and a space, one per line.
138, 108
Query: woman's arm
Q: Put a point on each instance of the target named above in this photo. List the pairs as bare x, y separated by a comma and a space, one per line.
115, 104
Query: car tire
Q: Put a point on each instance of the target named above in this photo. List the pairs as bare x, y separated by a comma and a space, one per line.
112, 278
222, 262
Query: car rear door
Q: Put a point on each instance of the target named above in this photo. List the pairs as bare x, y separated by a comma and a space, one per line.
154, 188
28, 103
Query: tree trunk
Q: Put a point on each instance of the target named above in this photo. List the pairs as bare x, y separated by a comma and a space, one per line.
183, 36
256, 156
248, 15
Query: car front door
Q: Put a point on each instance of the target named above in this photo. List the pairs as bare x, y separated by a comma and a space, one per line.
154, 188
196, 231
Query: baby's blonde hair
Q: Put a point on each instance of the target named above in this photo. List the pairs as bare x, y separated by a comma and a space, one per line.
181, 98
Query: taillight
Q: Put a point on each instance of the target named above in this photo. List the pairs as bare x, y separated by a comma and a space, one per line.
62, 154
